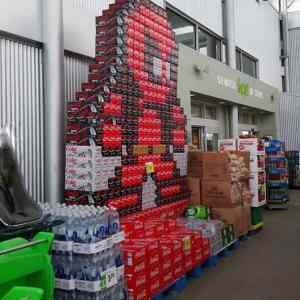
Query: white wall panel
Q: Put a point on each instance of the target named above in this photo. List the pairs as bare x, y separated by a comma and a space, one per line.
257, 32
22, 18
208, 13
21, 108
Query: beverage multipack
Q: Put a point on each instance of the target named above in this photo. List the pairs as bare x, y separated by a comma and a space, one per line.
126, 139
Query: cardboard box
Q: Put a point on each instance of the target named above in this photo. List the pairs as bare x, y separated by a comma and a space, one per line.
246, 219
194, 185
232, 216
220, 194
244, 154
239, 217
208, 165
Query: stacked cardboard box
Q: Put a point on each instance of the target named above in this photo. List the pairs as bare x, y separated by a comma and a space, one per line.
222, 180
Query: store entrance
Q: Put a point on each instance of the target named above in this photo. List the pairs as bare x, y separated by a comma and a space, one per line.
203, 139
198, 134
212, 142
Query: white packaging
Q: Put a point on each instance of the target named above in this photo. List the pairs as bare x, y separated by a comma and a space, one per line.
63, 284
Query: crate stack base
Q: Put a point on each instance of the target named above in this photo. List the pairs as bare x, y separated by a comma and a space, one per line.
277, 175
256, 218
126, 139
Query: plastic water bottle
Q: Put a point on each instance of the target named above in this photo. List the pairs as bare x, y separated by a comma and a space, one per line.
114, 221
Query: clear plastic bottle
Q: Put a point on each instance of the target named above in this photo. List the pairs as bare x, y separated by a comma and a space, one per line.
114, 222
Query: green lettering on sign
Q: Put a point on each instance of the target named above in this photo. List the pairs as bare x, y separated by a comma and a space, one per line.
243, 88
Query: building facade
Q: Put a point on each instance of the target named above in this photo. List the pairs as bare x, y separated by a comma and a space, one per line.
230, 73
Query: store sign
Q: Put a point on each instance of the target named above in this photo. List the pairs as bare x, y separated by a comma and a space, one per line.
240, 87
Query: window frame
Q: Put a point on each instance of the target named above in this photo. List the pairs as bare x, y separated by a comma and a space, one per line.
218, 40
201, 108
241, 54
248, 118
200, 26
210, 106
182, 15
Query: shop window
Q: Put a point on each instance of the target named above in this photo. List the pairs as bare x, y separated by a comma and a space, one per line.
184, 29
224, 53
244, 118
249, 65
254, 120
198, 111
209, 44
238, 60
284, 88
201, 39
212, 142
210, 112
248, 118
246, 63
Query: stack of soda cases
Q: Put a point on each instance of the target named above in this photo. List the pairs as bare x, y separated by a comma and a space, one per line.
87, 258
128, 116
293, 158
277, 175
212, 230
157, 252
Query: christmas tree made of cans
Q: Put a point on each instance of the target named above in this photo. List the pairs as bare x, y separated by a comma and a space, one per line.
126, 139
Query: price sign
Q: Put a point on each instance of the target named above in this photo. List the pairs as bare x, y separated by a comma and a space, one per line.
187, 243
111, 277
149, 167
108, 278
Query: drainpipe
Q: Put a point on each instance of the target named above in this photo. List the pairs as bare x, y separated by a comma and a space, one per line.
230, 34
54, 105
284, 15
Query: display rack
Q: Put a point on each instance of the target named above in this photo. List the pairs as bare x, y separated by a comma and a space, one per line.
257, 169
258, 177
294, 168
277, 175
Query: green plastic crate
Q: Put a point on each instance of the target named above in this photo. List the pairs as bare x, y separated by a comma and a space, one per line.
28, 265
256, 215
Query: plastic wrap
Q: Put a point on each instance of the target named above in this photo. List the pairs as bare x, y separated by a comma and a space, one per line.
17, 209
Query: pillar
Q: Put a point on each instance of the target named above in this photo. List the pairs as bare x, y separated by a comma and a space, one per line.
230, 34
229, 31
54, 105
234, 121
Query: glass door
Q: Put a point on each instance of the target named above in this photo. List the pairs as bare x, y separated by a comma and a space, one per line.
198, 137
212, 142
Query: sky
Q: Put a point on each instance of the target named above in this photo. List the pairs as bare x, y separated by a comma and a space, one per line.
295, 6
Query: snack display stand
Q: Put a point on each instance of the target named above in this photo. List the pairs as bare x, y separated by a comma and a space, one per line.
277, 175
258, 177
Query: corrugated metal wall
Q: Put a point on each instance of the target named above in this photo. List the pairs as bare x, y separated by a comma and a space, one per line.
289, 121
21, 108
92, 4
76, 72
294, 61
289, 112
